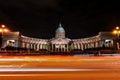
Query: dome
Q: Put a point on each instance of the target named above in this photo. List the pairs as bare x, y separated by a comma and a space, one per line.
60, 32
60, 28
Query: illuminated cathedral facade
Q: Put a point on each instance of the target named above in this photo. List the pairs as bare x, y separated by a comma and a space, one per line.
59, 43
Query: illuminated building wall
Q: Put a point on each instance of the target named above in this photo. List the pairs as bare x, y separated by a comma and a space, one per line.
11, 39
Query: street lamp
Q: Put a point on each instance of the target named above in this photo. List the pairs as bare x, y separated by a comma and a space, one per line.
2, 30
117, 33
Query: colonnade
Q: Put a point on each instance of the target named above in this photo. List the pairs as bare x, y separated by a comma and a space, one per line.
59, 47
34, 43
86, 43
34, 46
80, 44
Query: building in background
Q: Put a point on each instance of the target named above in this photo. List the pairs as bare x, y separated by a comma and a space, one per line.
59, 43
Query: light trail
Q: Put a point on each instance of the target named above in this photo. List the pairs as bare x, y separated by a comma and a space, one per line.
24, 75
41, 69
55, 59
22, 59
49, 69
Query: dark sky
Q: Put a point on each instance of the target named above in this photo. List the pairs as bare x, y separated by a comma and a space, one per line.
40, 18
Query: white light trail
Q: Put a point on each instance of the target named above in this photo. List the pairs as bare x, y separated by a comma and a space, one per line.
22, 59
21, 75
47, 69
41, 69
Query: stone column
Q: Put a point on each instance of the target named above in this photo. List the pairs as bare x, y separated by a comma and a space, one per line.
34, 46
55, 48
82, 46
52, 47
96, 44
78, 45
23, 45
38, 47
67, 47
30, 45
64, 48
58, 47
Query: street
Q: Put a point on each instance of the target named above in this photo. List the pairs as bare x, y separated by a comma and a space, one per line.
60, 67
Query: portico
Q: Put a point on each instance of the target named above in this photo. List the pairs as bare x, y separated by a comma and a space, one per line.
60, 43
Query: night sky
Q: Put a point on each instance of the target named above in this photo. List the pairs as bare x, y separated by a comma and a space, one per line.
40, 18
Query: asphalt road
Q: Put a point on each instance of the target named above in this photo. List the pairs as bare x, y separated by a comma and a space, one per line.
60, 67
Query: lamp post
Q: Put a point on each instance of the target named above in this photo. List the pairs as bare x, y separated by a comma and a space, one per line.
117, 33
2, 30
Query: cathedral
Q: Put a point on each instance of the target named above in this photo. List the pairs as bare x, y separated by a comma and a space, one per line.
60, 43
